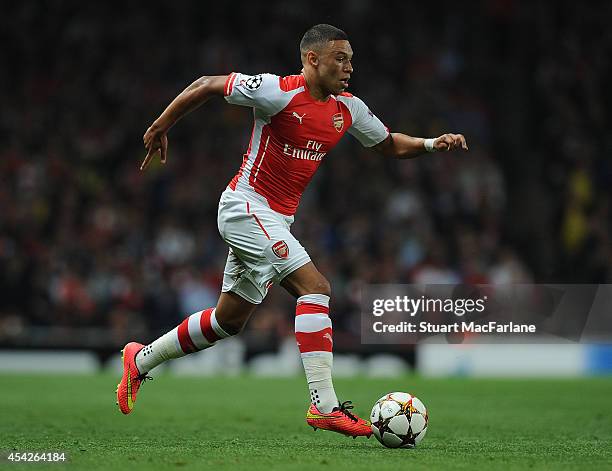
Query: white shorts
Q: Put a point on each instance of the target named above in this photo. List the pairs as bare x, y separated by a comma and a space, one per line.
262, 250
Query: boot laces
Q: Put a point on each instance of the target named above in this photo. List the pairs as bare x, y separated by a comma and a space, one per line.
344, 408
144, 377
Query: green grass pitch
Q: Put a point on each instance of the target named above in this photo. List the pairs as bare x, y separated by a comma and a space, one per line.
258, 424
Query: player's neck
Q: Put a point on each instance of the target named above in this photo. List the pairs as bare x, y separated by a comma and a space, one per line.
314, 89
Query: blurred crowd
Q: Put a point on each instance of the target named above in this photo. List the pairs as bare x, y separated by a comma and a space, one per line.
86, 239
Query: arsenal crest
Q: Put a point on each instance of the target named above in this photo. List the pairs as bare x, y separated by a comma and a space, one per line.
338, 121
280, 249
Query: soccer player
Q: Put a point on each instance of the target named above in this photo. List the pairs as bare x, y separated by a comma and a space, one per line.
298, 120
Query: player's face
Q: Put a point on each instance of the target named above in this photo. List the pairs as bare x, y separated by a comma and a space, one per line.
335, 66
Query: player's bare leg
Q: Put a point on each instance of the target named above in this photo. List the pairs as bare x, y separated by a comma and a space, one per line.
197, 332
313, 331
233, 312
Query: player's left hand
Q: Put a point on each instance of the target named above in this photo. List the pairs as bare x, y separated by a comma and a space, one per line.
154, 141
447, 142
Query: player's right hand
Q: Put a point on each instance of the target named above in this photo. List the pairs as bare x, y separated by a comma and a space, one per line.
154, 141
447, 142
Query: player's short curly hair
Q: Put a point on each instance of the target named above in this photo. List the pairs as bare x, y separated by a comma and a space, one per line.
319, 35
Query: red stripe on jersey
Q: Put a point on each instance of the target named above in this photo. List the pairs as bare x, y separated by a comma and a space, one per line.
245, 158
234, 181
248, 152
259, 159
187, 344
311, 308
320, 341
206, 326
261, 225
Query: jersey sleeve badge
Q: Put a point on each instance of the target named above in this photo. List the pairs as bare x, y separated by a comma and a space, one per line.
254, 82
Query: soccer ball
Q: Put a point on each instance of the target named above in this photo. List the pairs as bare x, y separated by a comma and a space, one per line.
399, 420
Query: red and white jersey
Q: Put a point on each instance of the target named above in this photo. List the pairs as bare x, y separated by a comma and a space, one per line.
292, 134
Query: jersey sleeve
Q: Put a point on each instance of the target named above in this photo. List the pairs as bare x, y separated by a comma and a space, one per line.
260, 91
366, 127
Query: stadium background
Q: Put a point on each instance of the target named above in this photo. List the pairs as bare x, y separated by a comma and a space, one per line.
94, 253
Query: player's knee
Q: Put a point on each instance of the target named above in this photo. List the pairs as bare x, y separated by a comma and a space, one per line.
232, 319
233, 326
320, 286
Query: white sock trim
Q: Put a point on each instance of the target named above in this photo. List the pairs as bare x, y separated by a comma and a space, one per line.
321, 299
215, 325
316, 354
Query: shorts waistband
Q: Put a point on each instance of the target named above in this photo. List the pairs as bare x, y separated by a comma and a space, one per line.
254, 197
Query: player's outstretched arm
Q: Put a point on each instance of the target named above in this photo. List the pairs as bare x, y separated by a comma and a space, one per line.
195, 95
402, 146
